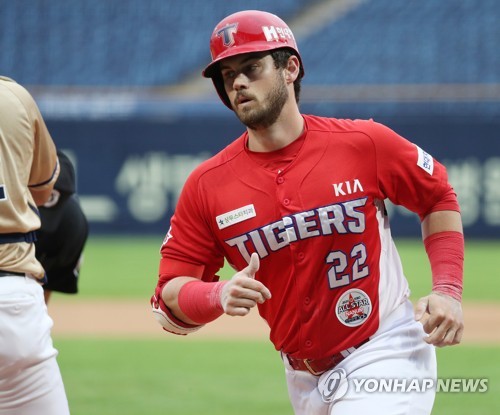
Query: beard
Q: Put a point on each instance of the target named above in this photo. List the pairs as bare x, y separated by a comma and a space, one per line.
267, 113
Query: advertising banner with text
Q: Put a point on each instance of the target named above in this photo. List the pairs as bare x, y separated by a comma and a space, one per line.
130, 172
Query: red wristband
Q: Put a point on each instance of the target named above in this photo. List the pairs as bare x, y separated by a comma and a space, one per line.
446, 256
200, 300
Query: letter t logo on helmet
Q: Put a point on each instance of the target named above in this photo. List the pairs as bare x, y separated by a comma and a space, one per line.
246, 32
227, 34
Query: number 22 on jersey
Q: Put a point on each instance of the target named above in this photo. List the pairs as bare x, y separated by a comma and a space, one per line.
339, 274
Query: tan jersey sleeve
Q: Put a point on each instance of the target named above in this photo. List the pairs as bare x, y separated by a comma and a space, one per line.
44, 166
28, 172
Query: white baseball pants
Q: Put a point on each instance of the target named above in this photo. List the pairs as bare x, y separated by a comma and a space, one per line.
30, 380
390, 375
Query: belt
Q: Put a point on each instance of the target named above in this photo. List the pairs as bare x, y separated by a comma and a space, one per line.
12, 238
11, 274
317, 367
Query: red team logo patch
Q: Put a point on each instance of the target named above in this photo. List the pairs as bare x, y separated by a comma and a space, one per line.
353, 308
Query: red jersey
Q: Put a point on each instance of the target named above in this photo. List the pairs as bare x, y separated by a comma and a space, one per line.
318, 224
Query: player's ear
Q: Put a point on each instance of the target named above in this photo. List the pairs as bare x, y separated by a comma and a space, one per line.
292, 69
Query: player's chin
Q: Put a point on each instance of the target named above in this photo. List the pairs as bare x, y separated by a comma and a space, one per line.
243, 112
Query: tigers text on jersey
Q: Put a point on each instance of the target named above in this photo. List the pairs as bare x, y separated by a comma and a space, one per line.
318, 224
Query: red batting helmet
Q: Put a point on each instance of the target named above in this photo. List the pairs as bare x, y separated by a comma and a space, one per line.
246, 32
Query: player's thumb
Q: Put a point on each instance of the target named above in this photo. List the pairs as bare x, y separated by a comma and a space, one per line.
421, 308
253, 265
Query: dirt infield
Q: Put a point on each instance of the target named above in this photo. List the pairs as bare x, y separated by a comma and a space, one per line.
74, 317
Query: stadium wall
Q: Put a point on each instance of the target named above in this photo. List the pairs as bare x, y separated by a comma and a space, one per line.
130, 171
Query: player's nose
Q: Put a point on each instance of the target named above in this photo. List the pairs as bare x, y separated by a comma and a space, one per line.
240, 82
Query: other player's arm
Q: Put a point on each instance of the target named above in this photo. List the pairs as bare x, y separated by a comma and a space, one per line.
45, 165
42, 191
441, 312
45, 168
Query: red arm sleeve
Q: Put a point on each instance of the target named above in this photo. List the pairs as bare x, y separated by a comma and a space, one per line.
446, 256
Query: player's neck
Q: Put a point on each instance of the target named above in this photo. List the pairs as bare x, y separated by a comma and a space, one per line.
284, 131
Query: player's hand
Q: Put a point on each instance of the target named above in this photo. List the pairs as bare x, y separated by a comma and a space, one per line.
441, 316
243, 292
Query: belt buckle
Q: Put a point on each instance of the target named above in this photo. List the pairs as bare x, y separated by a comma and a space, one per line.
310, 369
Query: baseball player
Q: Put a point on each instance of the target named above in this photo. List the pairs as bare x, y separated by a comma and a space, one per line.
30, 380
296, 206
63, 233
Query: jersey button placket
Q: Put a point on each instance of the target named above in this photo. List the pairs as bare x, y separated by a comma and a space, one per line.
283, 191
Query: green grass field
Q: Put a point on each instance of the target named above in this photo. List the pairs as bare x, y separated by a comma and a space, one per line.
126, 267
182, 376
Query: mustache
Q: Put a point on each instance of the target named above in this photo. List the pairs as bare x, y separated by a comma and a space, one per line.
242, 95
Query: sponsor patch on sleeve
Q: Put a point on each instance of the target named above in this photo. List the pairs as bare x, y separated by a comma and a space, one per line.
425, 161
